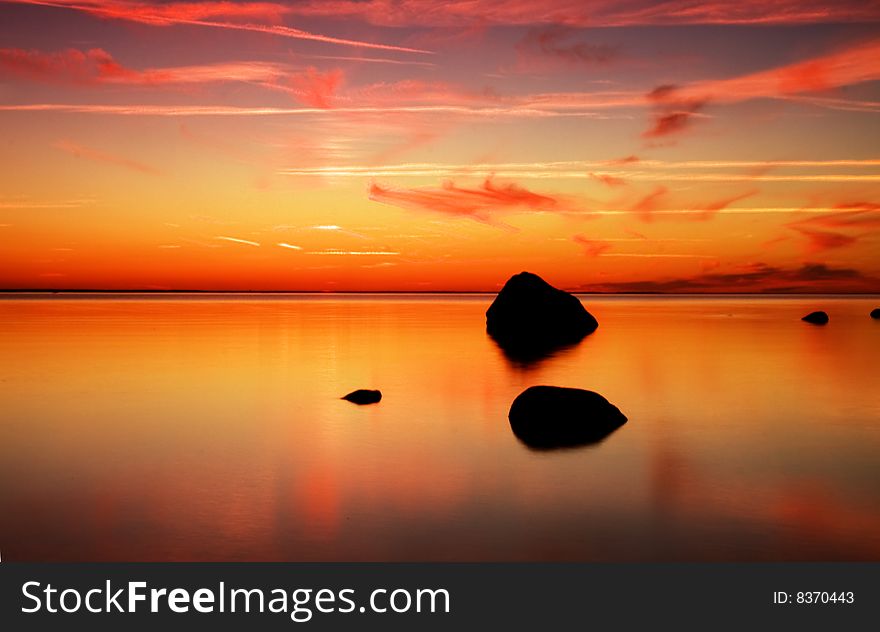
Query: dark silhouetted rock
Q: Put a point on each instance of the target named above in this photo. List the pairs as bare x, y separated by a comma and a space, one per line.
875, 313
547, 417
816, 318
363, 396
530, 319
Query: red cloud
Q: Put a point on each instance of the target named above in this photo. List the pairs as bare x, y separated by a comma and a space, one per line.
851, 65
645, 207
70, 65
669, 123
820, 240
260, 17
165, 14
592, 247
546, 49
711, 208
97, 66
674, 108
854, 215
316, 88
594, 14
477, 203
608, 180
671, 114
851, 214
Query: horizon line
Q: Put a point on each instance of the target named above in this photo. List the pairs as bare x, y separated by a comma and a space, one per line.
474, 292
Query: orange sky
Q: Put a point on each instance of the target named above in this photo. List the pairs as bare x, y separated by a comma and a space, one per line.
640, 146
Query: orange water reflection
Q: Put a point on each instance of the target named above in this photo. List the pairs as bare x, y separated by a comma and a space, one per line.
211, 429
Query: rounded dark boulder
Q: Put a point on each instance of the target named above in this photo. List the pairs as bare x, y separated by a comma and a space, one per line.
816, 318
363, 396
875, 313
548, 417
529, 317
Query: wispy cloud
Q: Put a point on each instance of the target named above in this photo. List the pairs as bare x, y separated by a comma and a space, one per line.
236, 240
284, 244
607, 179
645, 207
371, 60
671, 114
168, 13
95, 155
594, 14
70, 65
647, 170
659, 255
337, 229
847, 215
673, 108
712, 207
315, 88
592, 247
357, 253
224, 110
676, 107
823, 231
821, 240
479, 203
853, 64
97, 66
552, 48
219, 14
756, 277
657, 203
836, 103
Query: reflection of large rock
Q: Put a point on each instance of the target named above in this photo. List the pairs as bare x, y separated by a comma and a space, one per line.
530, 319
816, 318
546, 417
363, 396
875, 313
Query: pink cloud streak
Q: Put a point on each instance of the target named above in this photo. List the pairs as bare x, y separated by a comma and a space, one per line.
97, 66
592, 247
478, 203
596, 14
206, 14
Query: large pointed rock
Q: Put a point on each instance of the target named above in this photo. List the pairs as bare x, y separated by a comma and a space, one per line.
547, 417
530, 318
875, 313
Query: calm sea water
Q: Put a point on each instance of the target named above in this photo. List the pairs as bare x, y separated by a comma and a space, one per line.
210, 428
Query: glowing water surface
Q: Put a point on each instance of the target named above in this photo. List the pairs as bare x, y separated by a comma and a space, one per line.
210, 428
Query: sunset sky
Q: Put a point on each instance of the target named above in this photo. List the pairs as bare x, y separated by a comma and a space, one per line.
677, 146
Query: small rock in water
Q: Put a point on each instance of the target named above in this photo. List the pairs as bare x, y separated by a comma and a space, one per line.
816, 318
547, 417
875, 313
363, 396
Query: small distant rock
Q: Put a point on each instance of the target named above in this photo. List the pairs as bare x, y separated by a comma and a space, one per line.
816, 318
875, 313
530, 319
547, 417
363, 396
